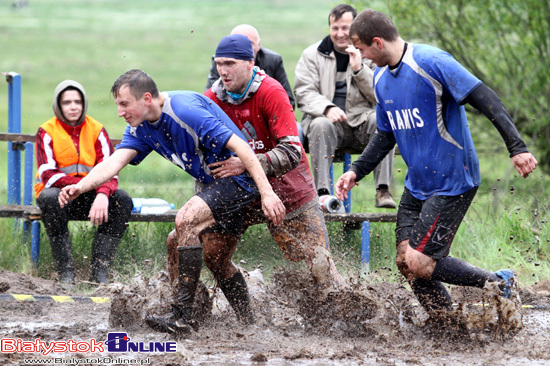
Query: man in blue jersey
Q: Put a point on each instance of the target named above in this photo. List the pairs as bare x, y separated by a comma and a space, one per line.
421, 92
191, 132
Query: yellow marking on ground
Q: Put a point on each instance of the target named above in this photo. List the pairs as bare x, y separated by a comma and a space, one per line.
62, 298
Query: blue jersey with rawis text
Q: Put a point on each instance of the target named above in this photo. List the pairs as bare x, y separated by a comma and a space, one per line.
420, 102
191, 133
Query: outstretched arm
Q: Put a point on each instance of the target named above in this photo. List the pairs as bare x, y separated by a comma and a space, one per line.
271, 204
485, 100
100, 174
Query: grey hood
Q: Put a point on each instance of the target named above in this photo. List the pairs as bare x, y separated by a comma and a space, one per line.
57, 95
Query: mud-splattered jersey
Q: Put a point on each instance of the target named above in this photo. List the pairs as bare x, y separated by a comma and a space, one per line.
420, 102
191, 133
265, 117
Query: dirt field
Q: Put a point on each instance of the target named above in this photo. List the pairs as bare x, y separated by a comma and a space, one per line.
377, 324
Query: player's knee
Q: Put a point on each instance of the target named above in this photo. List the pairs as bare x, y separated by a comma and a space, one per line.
421, 270
49, 199
401, 263
186, 224
415, 265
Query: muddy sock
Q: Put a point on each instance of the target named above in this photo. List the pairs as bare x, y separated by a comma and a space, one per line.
236, 292
189, 271
455, 271
432, 295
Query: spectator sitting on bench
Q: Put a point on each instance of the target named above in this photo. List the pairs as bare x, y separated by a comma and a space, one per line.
68, 146
333, 89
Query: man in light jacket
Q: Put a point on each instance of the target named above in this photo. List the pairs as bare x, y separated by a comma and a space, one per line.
333, 89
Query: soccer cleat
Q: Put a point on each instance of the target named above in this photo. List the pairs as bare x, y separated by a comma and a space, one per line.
168, 324
509, 281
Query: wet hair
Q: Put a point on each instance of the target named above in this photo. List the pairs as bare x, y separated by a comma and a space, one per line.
339, 10
371, 23
139, 83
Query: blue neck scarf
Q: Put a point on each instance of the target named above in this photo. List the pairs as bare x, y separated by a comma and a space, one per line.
239, 96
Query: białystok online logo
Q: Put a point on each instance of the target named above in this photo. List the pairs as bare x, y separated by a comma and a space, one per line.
120, 342
116, 342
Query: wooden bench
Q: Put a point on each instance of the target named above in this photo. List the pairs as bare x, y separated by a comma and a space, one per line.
31, 214
352, 221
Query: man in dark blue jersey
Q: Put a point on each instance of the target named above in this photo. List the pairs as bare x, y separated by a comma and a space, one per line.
421, 92
191, 132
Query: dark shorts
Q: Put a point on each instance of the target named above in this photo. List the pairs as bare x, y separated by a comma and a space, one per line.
431, 225
227, 200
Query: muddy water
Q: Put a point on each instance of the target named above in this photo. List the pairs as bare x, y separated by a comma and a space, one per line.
371, 324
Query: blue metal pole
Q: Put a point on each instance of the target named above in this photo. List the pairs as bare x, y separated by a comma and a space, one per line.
347, 165
14, 126
332, 179
28, 188
29, 169
365, 248
35, 243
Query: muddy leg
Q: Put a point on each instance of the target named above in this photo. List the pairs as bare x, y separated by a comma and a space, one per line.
432, 295
218, 250
324, 270
181, 320
194, 217
172, 260
305, 238
189, 271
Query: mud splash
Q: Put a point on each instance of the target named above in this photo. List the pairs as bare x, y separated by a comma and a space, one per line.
294, 301
143, 296
297, 324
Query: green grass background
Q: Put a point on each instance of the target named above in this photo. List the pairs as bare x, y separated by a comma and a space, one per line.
95, 41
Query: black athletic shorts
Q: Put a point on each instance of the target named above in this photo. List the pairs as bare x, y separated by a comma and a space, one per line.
431, 225
227, 200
